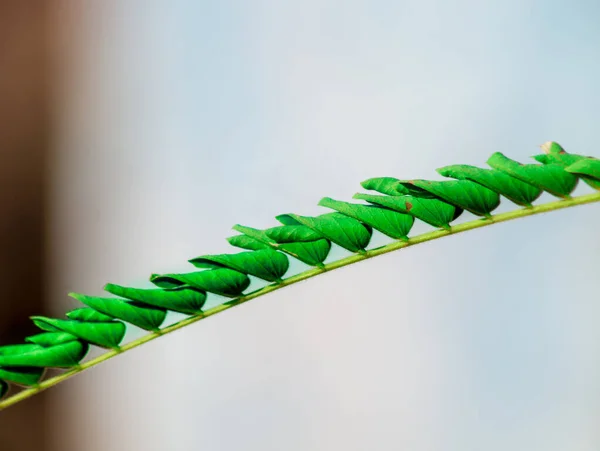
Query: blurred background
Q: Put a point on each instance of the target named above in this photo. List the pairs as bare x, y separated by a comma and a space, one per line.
134, 134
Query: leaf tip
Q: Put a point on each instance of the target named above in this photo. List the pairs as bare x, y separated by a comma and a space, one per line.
366, 183
552, 147
109, 286
325, 201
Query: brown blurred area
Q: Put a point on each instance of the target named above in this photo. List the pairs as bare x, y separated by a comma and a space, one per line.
25, 131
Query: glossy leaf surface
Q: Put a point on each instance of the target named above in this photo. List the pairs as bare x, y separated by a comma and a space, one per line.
265, 264
549, 177
145, 316
22, 375
64, 355
222, 281
519, 192
47, 339
465, 194
105, 334
312, 253
342, 230
389, 222
432, 211
178, 299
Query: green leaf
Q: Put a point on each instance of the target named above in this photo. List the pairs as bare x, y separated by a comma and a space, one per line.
292, 234
3, 388
146, 317
179, 299
342, 230
590, 168
431, 211
313, 253
288, 220
257, 235
89, 315
22, 375
265, 264
389, 222
549, 177
465, 194
222, 281
562, 159
47, 339
246, 242
106, 335
383, 185
519, 192
568, 160
65, 355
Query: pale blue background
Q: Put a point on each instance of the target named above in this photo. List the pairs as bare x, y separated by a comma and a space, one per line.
182, 118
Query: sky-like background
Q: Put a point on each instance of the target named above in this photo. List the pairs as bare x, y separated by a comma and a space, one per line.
180, 118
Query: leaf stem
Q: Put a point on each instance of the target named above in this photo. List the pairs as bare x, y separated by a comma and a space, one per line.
429, 236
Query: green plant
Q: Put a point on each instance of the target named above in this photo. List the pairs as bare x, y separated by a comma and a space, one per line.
63, 343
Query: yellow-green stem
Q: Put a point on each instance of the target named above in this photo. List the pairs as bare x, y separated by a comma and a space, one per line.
502, 217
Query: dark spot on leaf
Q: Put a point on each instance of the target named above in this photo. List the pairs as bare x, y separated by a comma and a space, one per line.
408, 206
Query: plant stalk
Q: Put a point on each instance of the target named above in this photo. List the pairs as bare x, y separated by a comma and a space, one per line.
429, 236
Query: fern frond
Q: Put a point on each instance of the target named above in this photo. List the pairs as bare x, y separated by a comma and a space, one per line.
63, 343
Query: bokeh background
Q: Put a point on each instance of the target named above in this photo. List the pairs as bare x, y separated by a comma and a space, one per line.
134, 133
